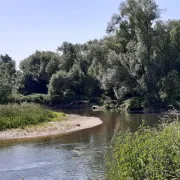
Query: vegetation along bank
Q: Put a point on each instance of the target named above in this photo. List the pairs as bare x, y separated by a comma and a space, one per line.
150, 153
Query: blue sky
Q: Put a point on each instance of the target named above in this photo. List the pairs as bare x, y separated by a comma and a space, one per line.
29, 25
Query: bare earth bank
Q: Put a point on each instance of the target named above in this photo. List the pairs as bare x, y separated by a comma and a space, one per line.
72, 123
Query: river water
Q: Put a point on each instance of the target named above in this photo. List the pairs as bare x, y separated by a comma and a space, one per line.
79, 156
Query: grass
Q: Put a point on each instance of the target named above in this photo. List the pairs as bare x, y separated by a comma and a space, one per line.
150, 153
25, 114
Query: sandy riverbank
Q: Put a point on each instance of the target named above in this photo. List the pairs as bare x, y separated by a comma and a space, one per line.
72, 123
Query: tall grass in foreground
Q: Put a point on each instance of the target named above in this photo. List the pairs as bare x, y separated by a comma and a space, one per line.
15, 115
150, 153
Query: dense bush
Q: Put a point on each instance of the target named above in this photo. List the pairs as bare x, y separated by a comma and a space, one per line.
15, 115
60, 84
33, 98
135, 104
170, 87
46, 99
147, 154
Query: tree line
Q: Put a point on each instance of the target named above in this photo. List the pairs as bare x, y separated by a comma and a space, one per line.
138, 59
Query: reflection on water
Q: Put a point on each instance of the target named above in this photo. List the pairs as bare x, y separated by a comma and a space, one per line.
77, 156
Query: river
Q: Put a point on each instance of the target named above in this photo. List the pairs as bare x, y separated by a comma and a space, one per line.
79, 156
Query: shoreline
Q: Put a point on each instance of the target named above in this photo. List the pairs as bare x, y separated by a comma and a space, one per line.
72, 123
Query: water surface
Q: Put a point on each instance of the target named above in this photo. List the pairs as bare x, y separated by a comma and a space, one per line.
78, 156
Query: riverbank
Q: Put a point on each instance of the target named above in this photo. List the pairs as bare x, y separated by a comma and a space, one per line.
70, 124
153, 153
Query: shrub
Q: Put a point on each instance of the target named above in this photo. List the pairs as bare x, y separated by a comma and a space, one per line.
135, 104
33, 98
44, 99
170, 87
146, 154
59, 83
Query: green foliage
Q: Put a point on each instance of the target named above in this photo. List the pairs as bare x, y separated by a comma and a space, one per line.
170, 87
37, 71
33, 98
150, 104
7, 78
133, 67
70, 55
60, 84
20, 115
75, 82
5, 92
146, 154
135, 103
145, 55
139, 58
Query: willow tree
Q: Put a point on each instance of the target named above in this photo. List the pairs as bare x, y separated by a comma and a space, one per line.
133, 29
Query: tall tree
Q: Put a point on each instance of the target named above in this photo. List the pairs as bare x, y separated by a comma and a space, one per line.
37, 70
7, 78
133, 27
